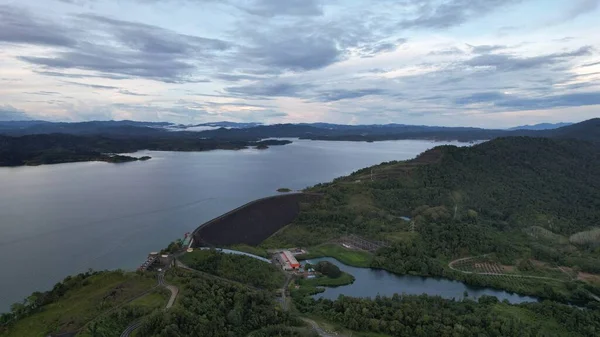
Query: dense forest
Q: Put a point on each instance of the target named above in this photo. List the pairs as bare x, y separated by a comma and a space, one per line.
63, 148
215, 308
239, 268
403, 315
517, 198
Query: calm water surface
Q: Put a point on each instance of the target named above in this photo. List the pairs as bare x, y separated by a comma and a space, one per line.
373, 282
57, 220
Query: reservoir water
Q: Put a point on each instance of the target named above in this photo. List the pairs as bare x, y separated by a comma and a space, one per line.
372, 282
57, 220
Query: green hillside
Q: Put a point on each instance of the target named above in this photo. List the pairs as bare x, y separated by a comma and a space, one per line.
492, 198
519, 214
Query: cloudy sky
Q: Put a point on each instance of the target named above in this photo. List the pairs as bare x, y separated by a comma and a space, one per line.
489, 63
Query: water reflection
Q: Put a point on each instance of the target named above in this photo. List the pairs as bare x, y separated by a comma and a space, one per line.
373, 282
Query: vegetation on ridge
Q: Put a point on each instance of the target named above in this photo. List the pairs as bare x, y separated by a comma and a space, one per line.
470, 201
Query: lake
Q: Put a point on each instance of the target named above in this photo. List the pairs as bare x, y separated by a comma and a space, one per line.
373, 282
57, 220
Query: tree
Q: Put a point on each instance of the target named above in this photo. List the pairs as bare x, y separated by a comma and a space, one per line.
328, 269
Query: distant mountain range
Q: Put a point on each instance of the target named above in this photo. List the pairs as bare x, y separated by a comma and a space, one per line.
541, 126
315, 131
21, 128
39, 142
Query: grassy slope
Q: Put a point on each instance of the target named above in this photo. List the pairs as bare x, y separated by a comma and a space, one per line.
78, 307
235, 267
356, 258
118, 320
154, 300
250, 249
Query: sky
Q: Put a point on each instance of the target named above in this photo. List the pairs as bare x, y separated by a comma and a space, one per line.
484, 63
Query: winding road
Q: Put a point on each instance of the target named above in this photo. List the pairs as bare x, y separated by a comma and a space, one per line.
285, 303
451, 266
571, 278
161, 283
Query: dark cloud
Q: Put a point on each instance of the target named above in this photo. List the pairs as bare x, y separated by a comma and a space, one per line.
270, 8
127, 49
152, 39
10, 113
295, 52
480, 97
268, 89
377, 70
446, 14
109, 61
42, 93
507, 101
70, 75
92, 86
550, 102
447, 51
581, 7
130, 93
564, 39
591, 64
298, 45
238, 104
237, 77
19, 26
504, 62
341, 94
371, 50
484, 49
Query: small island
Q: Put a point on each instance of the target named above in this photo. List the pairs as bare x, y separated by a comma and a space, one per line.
284, 190
261, 147
120, 158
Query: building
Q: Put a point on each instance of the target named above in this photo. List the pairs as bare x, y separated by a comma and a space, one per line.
164, 259
287, 260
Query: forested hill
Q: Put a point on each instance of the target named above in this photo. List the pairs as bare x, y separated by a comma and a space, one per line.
514, 181
41, 149
587, 130
529, 205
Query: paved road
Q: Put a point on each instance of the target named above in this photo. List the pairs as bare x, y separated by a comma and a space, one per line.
237, 252
173, 289
130, 329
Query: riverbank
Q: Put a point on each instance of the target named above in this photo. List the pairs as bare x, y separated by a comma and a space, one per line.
373, 282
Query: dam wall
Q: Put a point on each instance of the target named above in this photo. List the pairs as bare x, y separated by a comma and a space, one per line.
251, 223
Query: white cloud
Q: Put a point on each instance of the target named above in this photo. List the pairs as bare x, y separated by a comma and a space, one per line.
298, 61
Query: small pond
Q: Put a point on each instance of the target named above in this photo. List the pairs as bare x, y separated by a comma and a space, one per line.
371, 282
